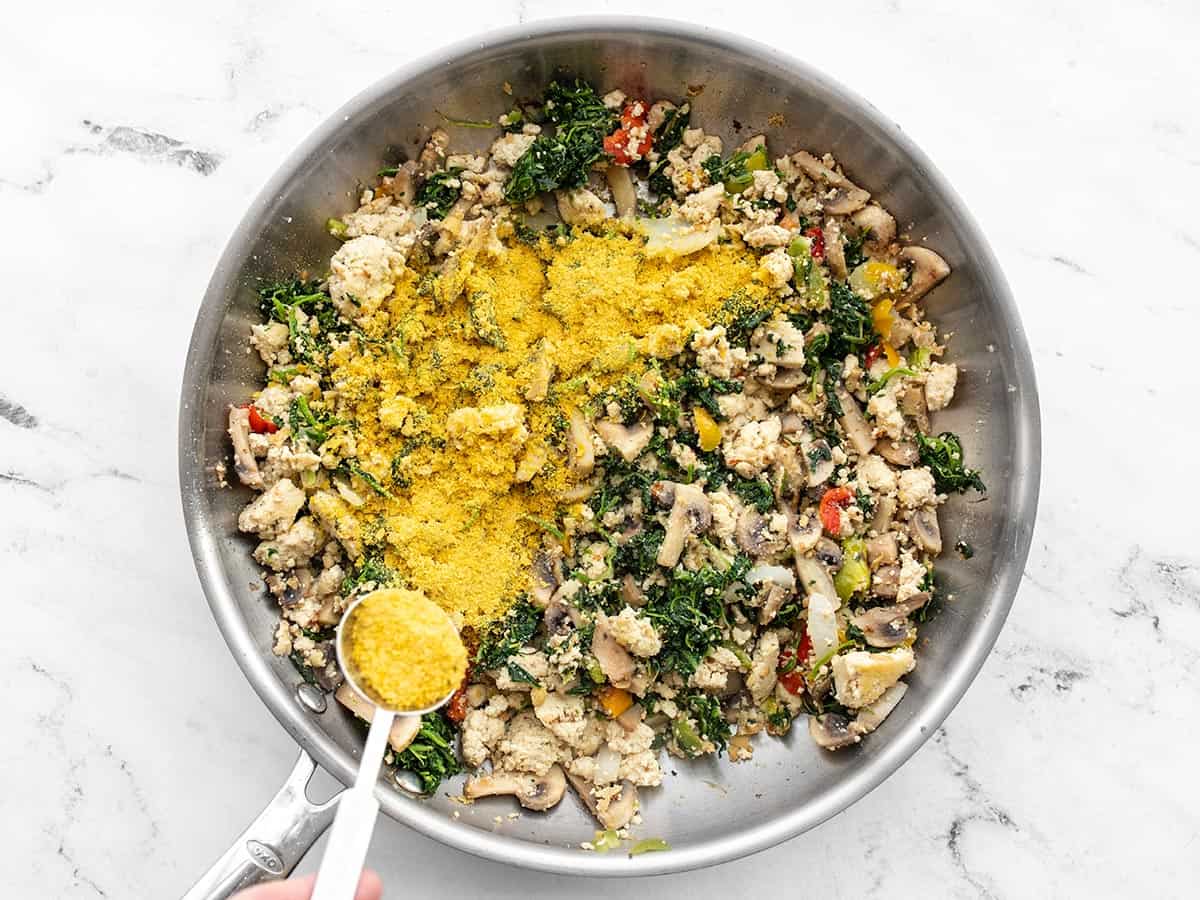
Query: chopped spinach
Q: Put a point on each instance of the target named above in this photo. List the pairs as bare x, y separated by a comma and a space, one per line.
754, 492
505, 637
563, 160
440, 191
688, 613
431, 755
944, 457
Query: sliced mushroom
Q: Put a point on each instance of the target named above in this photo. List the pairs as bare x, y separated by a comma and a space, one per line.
821, 465
620, 810
753, 143
329, 677
632, 717
814, 577
927, 269
885, 511
628, 440
790, 423
546, 577
579, 206
244, 463
753, 532
878, 222
785, 379
829, 552
803, 538
615, 661
886, 581
882, 550
581, 455
791, 474
434, 151
832, 731
532, 791
663, 493
871, 717
404, 188
898, 453
888, 626
558, 618
883, 626
923, 528
631, 593
404, 728
912, 404
772, 603
843, 196
855, 424
691, 513
835, 253
623, 193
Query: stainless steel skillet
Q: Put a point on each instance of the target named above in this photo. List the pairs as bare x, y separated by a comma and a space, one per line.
733, 83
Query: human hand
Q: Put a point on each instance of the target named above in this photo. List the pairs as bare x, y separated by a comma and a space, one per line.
369, 888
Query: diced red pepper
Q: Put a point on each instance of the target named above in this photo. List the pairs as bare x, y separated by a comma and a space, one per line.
873, 353
832, 503
793, 679
616, 144
456, 707
259, 423
817, 236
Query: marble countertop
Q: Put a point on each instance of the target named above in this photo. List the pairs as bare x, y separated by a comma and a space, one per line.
133, 750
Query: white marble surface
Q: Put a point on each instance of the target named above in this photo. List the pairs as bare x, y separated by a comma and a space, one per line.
132, 750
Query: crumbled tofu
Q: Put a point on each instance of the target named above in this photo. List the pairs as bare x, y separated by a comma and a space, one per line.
883, 408
271, 341
534, 662
916, 488
504, 418
940, 382
363, 274
482, 729
509, 148
912, 573
701, 207
283, 639
861, 677
725, 510
751, 448
767, 236
272, 512
633, 632
625, 742
713, 672
295, 547
565, 715
777, 267
528, 746
641, 768
876, 473
713, 353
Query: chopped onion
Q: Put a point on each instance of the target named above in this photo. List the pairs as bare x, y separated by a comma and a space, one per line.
672, 236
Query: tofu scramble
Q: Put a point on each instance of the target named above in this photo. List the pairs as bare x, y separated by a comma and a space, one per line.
649, 417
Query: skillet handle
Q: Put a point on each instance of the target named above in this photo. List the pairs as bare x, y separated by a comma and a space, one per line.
274, 843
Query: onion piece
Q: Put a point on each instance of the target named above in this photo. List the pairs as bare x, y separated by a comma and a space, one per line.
675, 237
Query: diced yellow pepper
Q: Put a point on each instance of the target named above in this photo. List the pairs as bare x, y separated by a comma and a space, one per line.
873, 278
614, 700
893, 357
707, 429
881, 318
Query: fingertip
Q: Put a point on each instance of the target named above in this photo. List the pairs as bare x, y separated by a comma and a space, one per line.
370, 886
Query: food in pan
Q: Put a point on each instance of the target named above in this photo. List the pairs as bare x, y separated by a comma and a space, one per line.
650, 416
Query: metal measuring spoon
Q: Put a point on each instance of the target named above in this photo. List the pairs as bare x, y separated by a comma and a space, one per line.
341, 866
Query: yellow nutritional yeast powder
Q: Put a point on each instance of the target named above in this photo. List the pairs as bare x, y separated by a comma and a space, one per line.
460, 387
403, 650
